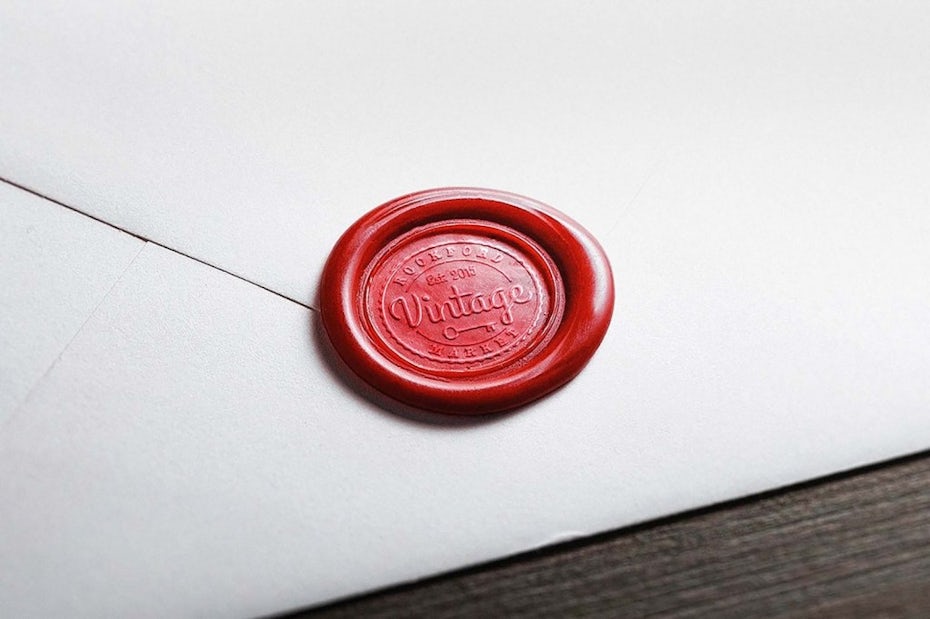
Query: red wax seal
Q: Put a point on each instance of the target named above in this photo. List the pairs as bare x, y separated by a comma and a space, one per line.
466, 301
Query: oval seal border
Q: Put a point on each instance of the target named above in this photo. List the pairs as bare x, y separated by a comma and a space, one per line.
585, 314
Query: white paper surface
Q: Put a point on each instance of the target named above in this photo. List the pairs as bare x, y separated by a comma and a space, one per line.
193, 454
757, 175
55, 267
251, 135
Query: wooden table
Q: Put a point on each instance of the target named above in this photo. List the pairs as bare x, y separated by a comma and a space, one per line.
851, 545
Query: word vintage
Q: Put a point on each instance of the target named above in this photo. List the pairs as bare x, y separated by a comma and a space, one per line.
458, 304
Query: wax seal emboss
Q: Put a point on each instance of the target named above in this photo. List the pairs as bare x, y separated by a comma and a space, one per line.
460, 303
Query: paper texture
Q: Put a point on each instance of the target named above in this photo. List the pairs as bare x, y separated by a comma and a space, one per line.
56, 266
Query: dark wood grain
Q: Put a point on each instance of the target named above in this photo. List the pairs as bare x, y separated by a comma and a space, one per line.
853, 545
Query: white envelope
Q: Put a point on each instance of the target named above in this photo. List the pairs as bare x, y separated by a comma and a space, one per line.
757, 174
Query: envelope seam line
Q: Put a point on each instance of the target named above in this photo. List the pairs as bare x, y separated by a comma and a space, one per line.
153, 242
